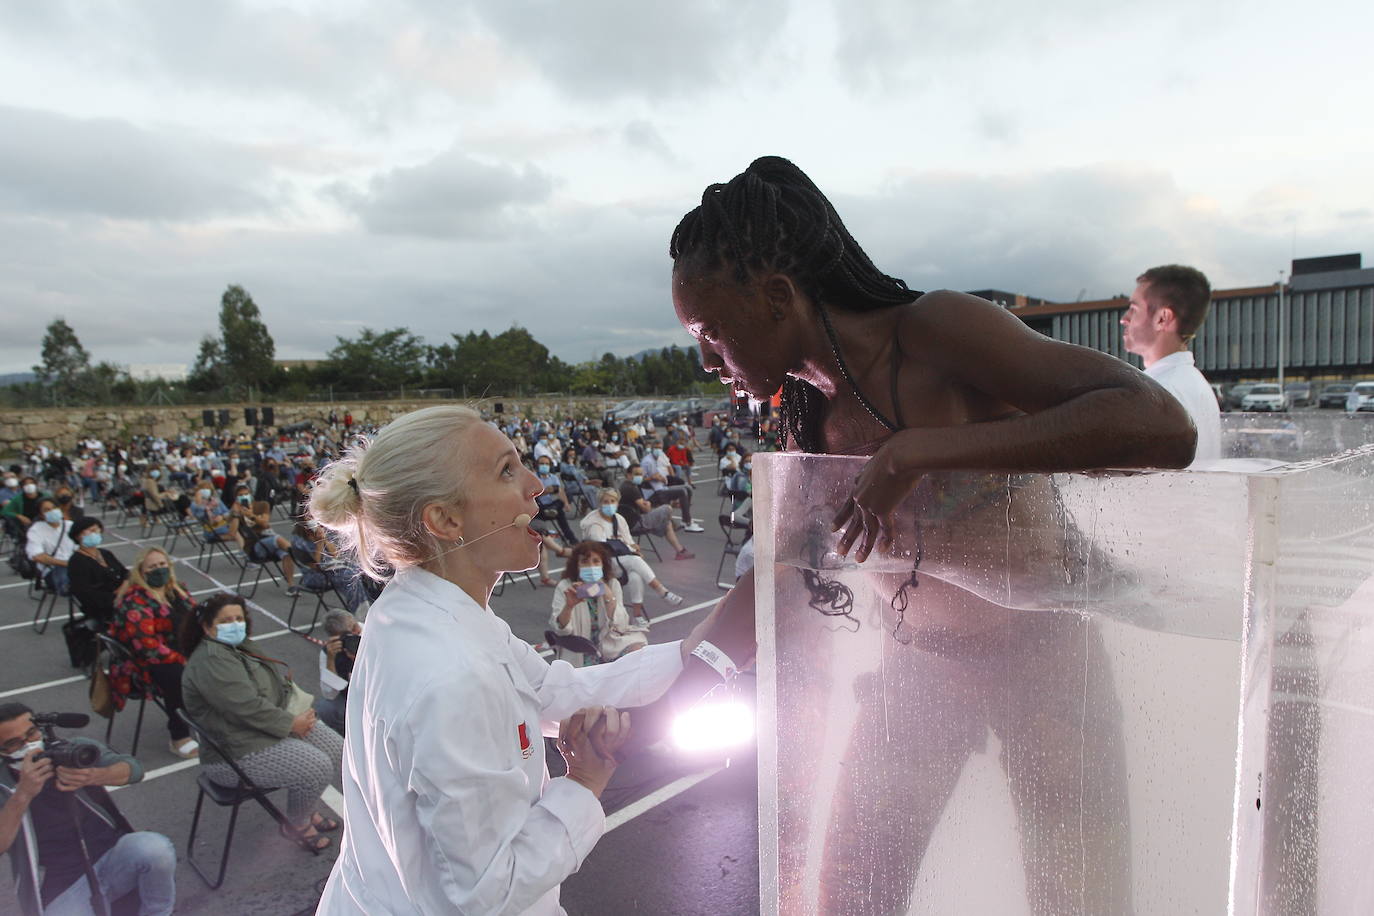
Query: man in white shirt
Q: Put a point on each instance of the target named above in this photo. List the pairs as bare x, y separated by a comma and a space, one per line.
48, 545
1165, 312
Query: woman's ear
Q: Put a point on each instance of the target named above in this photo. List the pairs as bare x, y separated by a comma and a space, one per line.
442, 522
781, 294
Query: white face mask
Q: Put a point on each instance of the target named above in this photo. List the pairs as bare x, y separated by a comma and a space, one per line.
19, 755
11, 482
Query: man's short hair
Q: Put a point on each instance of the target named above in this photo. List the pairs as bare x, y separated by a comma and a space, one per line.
11, 711
1183, 290
337, 623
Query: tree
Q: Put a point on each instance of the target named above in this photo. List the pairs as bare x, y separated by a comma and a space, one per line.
383, 360
208, 371
65, 361
249, 354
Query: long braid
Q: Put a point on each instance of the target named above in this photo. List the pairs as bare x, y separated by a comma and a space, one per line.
772, 217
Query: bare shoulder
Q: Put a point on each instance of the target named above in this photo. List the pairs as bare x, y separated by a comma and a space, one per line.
945, 316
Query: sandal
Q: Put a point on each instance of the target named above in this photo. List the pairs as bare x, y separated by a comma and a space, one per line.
324, 824
309, 841
547, 582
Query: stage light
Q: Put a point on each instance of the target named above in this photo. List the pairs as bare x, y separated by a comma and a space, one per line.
714, 725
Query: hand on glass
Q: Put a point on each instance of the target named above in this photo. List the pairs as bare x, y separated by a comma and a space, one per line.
867, 516
588, 741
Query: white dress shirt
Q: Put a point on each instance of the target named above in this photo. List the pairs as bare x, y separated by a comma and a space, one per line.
44, 538
1180, 377
448, 803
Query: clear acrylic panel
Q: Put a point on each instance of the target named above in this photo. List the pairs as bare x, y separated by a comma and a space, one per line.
1113, 693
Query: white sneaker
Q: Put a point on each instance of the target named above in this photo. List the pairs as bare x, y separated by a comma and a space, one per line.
186, 749
672, 598
694, 528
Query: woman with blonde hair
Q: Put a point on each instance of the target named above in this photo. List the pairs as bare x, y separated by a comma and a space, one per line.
449, 804
147, 617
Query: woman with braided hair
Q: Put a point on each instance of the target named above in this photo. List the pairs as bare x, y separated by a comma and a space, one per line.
940, 381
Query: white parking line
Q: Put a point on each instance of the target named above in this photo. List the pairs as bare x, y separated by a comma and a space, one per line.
168, 770
32, 687
673, 789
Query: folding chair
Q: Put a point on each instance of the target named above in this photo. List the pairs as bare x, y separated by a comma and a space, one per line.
304, 562
46, 596
177, 525
271, 567
579, 644
115, 653
644, 538
728, 527
510, 577
231, 798
209, 546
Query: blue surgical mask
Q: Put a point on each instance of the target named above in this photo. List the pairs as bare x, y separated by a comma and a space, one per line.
155, 474
53, 516
91, 540
543, 469
638, 479
608, 511
231, 633
746, 465
590, 573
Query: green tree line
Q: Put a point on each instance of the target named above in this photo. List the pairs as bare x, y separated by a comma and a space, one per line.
239, 363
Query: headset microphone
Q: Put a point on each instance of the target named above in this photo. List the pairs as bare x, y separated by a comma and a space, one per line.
520, 521
523, 520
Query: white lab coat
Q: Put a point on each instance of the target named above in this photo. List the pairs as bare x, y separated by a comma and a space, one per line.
446, 812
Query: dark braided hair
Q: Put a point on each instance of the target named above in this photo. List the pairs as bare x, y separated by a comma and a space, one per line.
772, 217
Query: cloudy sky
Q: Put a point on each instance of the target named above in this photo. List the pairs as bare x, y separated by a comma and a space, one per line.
451, 165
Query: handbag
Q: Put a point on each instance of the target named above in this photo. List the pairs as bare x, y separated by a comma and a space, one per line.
299, 701
615, 545
81, 642
102, 696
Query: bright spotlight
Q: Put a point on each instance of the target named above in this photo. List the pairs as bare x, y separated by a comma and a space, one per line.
709, 726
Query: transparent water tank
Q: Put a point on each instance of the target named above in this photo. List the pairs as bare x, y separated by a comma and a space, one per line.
1123, 693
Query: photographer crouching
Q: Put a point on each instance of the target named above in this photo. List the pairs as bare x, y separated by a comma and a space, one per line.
336, 667
58, 817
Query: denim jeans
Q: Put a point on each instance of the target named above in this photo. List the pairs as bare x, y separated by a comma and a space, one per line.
146, 861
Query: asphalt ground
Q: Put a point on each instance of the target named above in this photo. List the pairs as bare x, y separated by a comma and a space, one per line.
681, 833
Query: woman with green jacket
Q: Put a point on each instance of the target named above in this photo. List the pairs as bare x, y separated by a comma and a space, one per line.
248, 703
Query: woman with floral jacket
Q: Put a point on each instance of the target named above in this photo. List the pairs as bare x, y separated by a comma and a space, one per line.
146, 620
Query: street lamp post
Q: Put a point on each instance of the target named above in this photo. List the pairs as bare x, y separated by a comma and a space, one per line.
1282, 330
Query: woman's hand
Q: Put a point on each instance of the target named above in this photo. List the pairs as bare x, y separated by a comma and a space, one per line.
301, 725
867, 515
589, 740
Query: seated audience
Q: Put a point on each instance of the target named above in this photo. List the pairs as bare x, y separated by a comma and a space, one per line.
324, 569
552, 501
22, 507
216, 523
265, 545
336, 667
680, 459
646, 518
36, 828
49, 546
661, 491
588, 603
96, 577
607, 526
247, 701
146, 620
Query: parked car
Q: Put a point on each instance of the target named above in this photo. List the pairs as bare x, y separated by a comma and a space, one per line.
1265, 397
1299, 394
1360, 398
1237, 394
1335, 394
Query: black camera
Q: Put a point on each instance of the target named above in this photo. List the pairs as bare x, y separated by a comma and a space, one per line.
61, 752
349, 643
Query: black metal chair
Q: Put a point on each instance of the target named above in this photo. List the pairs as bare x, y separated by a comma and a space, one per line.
645, 539
510, 577
579, 644
728, 526
116, 652
175, 525
211, 545
305, 562
46, 596
270, 566
231, 798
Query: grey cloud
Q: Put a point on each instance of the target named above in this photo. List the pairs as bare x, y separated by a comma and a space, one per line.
451, 196
643, 135
52, 163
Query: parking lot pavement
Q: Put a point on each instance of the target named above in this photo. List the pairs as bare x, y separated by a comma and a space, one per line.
686, 844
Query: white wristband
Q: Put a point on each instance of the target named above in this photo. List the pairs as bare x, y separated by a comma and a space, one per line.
713, 656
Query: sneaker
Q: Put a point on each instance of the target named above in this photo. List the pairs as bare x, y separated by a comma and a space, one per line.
694, 528
685, 555
672, 598
293, 591
186, 749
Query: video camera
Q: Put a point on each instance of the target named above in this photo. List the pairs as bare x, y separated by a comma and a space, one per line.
349, 642
61, 752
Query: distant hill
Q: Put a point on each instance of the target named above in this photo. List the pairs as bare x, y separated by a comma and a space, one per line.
17, 378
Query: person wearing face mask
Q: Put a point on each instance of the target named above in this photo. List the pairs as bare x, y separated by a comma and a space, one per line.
22, 508
9, 485
248, 701
546, 448
605, 525
98, 580
158, 498
552, 502
588, 603
65, 498
49, 546
740, 486
39, 802
216, 521
729, 460
265, 545
146, 619
661, 491
449, 804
